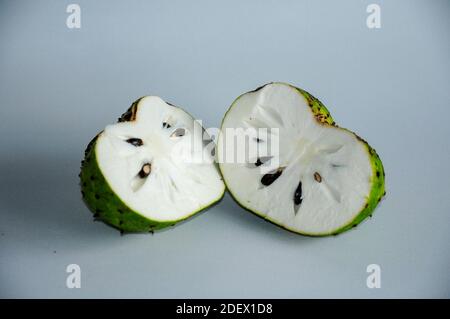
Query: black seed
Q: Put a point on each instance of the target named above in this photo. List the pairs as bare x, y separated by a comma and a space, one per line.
367, 205
258, 162
145, 170
378, 174
84, 184
298, 194
96, 215
166, 125
82, 193
384, 194
370, 215
268, 179
354, 226
120, 222
121, 232
151, 231
92, 178
97, 196
135, 141
120, 211
258, 140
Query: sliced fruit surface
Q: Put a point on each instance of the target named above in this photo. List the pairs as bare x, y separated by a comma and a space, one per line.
322, 179
151, 169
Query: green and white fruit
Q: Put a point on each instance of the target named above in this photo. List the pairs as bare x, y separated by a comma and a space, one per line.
327, 179
150, 170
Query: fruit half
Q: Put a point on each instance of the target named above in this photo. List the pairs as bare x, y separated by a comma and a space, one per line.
151, 169
322, 180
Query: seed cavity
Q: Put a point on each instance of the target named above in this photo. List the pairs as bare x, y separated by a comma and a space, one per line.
261, 160
298, 195
269, 178
178, 132
141, 177
317, 177
135, 141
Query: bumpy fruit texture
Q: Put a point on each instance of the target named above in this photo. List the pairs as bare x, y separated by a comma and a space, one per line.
129, 177
328, 179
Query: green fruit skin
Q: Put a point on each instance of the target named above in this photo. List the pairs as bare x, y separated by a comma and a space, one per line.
377, 191
106, 205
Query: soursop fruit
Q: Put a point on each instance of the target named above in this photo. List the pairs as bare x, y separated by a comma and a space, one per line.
150, 170
323, 180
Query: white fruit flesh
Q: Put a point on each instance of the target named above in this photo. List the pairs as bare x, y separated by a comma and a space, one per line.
331, 163
178, 176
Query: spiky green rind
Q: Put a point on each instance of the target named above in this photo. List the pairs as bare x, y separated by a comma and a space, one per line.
323, 116
108, 207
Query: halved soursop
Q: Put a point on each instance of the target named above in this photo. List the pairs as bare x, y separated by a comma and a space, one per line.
151, 169
322, 181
